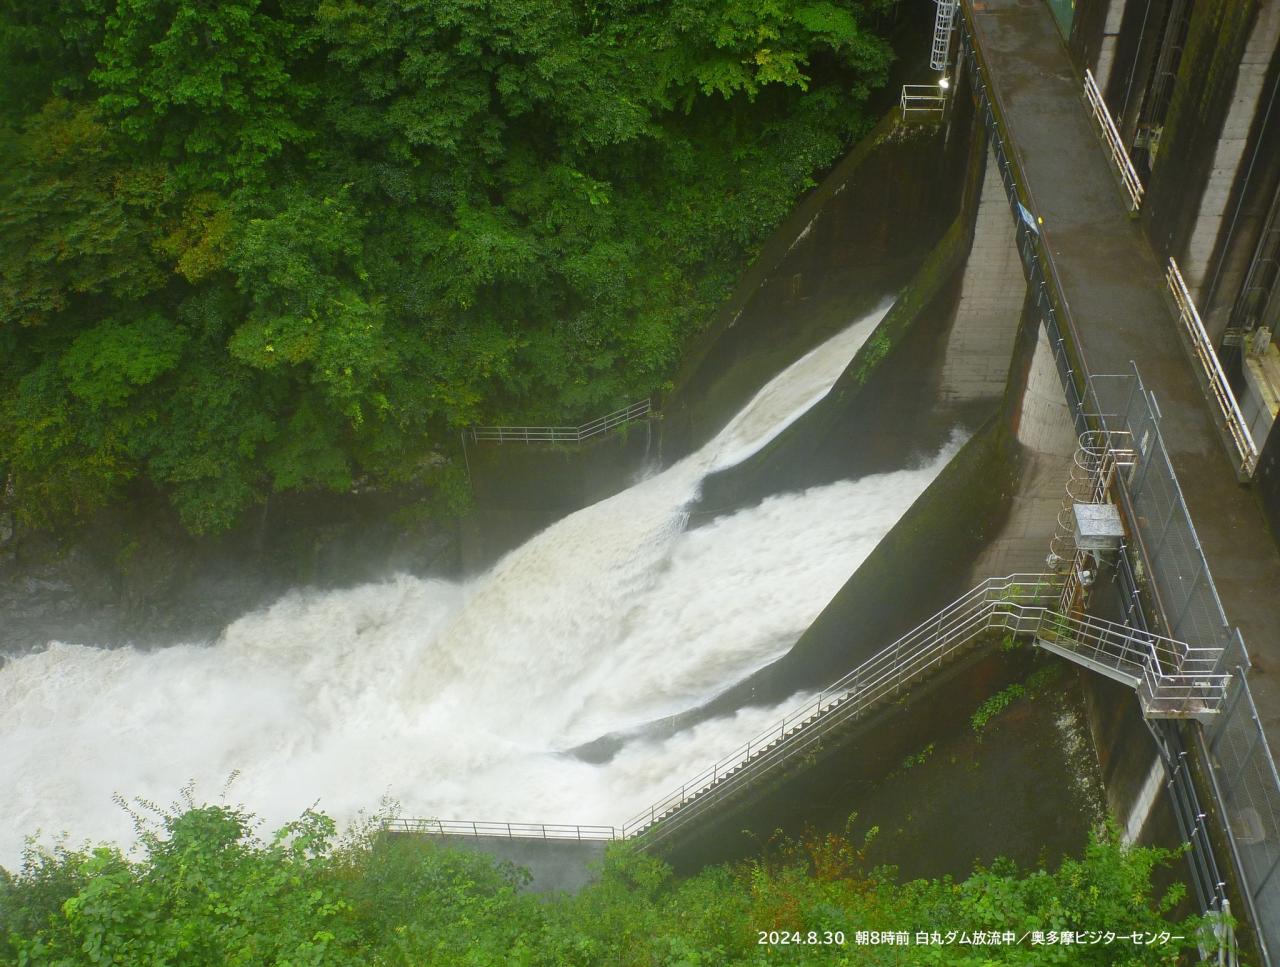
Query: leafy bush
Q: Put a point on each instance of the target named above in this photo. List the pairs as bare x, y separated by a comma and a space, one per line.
204, 890
250, 247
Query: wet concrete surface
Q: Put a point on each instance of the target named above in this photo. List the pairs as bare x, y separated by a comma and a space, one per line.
1114, 287
941, 793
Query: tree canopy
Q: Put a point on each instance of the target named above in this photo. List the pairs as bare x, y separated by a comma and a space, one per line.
264, 245
204, 890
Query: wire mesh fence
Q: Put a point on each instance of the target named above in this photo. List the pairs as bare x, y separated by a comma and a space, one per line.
1245, 774
1169, 560
1170, 568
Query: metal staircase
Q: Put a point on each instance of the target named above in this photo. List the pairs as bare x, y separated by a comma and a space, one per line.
1172, 680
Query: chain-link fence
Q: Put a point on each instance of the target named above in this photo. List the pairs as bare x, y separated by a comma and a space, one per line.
1167, 558
1170, 570
1249, 787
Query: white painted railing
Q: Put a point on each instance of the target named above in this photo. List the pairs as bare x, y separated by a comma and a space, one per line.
455, 827
1232, 418
1119, 156
927, 99
1172, 680
562, 434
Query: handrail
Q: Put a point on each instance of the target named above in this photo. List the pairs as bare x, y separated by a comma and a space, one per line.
456, 827
1124, 165
562, 434
1233, 419
1173, 680
1033, 235
1035, 242
922, 99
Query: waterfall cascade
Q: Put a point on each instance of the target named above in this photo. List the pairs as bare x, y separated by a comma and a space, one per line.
459, 699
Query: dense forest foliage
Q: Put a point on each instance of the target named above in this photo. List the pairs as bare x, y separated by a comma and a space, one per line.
260, 245
205, 891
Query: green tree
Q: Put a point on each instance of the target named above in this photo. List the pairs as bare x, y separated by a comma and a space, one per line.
276, 245
204, 890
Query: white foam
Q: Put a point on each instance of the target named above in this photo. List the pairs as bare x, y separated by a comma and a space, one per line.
458, 699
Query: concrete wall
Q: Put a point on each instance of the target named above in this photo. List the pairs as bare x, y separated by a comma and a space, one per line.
519, 489
1097, 36
992, 290
1213, 178
556, 865
1215, 213
942, 794
1047, 437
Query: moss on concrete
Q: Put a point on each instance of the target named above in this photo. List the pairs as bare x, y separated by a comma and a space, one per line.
816, 449
945, 259
1207, 70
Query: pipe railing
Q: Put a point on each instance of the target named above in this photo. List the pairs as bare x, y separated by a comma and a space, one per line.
1071, 358
1115, 146
927, 99
1232, 419
562, 434
455, 827
1166, 670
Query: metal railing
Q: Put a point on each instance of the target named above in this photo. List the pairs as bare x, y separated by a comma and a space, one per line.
562, 434
927, 99
1247, 783
1232, 419
1172, 576
1119, 156
1166, 566
1069, 356
454, 827
1037, 257
1164, 671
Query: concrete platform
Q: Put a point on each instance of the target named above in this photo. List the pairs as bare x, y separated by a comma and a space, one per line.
1114, 285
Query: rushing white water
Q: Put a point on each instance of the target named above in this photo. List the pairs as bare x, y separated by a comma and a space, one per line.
458, 699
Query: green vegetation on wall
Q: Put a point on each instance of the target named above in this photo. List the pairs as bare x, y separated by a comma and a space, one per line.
204, 891
1207, 69
272, 245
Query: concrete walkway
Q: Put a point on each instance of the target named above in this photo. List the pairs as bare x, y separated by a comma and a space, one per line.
1115, 288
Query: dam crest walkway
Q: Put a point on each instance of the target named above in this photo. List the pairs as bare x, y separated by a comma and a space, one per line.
1116, 303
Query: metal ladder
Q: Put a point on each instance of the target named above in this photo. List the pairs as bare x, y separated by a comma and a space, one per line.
942, 25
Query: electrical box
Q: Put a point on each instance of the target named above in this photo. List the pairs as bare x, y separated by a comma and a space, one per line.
1098, 527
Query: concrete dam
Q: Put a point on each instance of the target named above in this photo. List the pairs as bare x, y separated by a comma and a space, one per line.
960, 521
1095, 310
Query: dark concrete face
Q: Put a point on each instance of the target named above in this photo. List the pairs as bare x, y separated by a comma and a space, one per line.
942, 794
858, 238
555, 865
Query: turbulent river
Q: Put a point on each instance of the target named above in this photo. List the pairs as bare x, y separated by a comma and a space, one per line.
461, 699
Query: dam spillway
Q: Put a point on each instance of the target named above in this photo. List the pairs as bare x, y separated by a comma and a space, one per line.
462, 698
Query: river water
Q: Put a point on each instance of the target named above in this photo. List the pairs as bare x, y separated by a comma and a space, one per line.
461, 699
